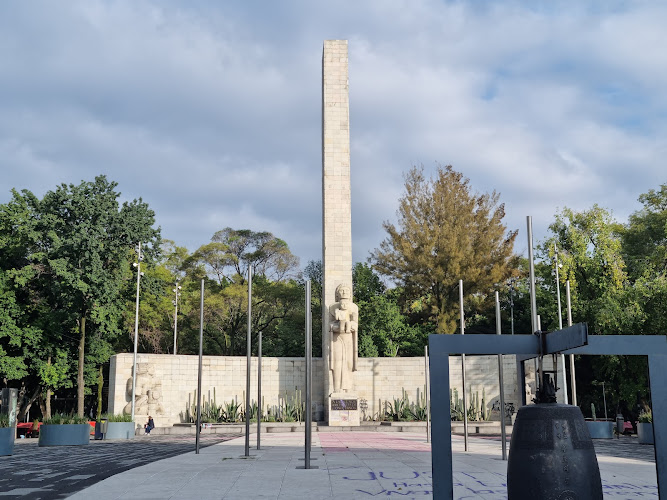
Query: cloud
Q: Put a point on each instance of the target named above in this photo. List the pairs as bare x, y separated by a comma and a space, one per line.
211, 111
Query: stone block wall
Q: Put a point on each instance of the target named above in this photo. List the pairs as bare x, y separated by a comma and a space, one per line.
173, 381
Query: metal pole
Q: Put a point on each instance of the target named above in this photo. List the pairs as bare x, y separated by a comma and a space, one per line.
503, 435
176, 294
533, 300
512, 304
560, 313
541, 358
426, 396
560, 324
259, 388
463, 372
247, 382
573, 381
309, 370
201, 350
136, 333
604, 400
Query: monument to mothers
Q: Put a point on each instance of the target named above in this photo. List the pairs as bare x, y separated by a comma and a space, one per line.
352, 388
339, 314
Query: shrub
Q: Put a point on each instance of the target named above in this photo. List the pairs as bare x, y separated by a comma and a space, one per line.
4, 420
60, 419
122, 417
645, 417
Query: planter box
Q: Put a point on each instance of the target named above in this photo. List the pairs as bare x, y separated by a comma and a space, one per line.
7, 440
64, 435
600, 429
119, 430
645, 433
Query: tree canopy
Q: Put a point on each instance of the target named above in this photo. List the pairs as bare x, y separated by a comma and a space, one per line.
445, 232
71, 250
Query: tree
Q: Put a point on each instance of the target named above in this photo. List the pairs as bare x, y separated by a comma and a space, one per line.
589, 248
366, 283
231, 251
277, 298
80, 245
445, 232
645, 237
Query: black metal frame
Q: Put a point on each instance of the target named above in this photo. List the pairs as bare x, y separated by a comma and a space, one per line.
530, 346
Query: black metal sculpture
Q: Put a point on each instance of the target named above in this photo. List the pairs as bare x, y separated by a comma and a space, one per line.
572, 340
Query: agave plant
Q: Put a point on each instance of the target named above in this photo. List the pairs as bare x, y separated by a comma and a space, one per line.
292, 410
231, 412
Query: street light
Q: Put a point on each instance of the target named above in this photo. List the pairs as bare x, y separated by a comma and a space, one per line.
177, 294
136, 265
511, 285
560, 318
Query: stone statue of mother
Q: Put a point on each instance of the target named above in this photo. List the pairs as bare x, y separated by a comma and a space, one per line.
343, 348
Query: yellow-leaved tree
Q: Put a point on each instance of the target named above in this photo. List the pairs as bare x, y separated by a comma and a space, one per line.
445, 232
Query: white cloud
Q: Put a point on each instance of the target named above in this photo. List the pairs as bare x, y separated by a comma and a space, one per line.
211, 112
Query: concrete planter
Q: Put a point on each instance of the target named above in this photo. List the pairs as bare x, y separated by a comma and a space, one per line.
645, 433
119, 430
600, 429
64, 435
7, 440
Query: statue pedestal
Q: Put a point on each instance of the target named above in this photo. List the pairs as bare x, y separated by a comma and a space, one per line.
343, 409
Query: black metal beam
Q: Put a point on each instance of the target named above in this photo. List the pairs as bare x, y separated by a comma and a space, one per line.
441, 439
567, 338
527, 346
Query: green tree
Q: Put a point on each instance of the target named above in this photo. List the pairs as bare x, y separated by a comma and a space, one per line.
313, 272
366, 283
81, 241
589, 248
277, 297
445, 232
645, 237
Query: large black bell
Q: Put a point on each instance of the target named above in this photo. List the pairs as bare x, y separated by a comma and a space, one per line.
552, 455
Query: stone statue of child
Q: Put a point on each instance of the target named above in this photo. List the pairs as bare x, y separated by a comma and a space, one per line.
343, 347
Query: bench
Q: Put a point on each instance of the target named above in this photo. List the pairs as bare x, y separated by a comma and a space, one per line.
28, 429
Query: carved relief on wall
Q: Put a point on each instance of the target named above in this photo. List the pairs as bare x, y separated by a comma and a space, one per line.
148, 392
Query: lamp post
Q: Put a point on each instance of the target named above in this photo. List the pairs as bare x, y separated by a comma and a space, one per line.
177, 294
511, 285
137, 265
560, 319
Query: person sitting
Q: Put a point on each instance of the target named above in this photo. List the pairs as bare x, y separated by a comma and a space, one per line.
150, 425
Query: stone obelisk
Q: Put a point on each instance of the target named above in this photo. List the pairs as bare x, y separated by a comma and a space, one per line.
336, 215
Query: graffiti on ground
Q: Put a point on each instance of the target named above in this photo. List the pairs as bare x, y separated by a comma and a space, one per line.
467, 485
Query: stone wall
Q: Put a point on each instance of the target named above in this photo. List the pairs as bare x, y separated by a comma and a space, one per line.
173, 381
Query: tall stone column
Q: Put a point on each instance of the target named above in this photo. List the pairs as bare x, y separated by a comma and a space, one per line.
336, 208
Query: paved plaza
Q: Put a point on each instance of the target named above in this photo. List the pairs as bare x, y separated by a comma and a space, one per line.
350, 465
34, 473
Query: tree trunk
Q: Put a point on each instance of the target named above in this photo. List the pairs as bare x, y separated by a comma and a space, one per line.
100, 386
46, 412
24, 409
79, 379
47, 405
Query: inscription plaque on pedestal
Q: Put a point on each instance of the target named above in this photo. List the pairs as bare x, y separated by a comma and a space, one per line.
343, 404
343, 410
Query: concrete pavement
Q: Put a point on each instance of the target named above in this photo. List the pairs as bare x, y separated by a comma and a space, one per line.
352, 465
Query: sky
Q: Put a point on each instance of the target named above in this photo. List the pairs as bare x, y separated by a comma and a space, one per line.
211, 111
